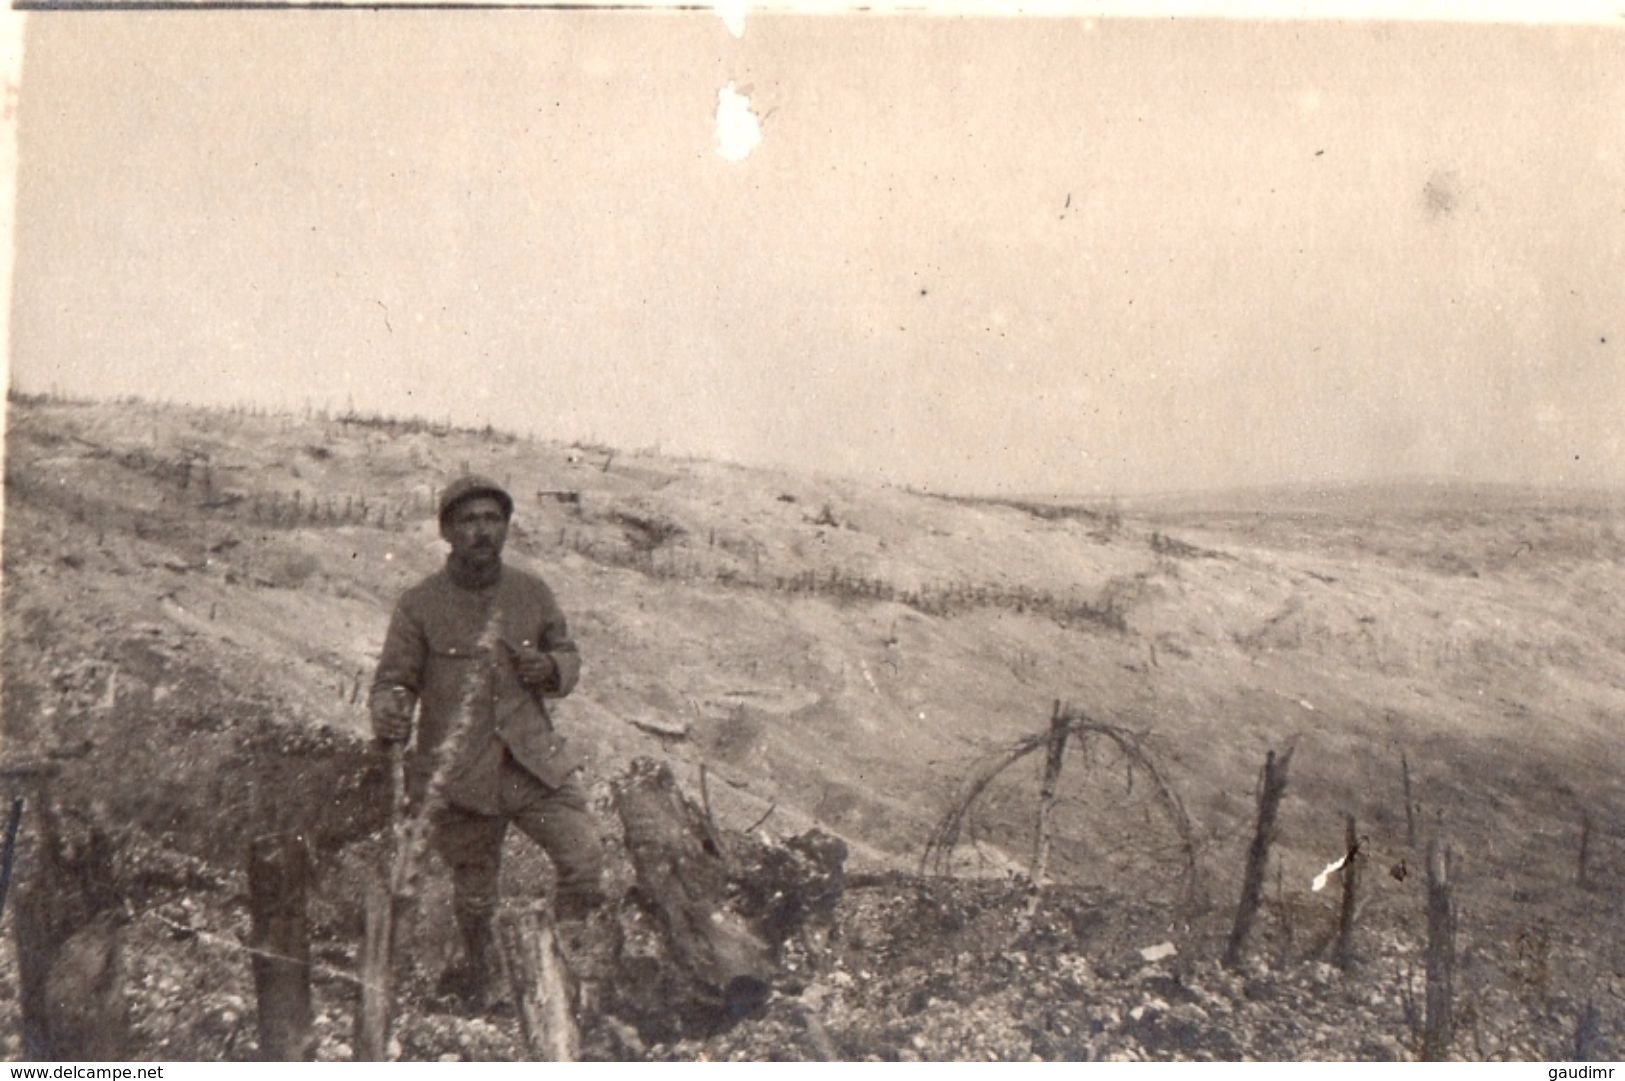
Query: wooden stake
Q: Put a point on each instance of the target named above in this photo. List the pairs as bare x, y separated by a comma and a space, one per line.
278, 873
544, 988
1059, 727
10, 850
386, 902
1351, 885
1580, 878
1410, 803
713, 835
1272, 786
1587, 1031
1439, 1027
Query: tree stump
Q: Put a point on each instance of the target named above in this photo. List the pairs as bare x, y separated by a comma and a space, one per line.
544, 988
685, 881
377, 1005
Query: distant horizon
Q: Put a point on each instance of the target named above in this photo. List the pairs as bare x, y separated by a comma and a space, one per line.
328, 413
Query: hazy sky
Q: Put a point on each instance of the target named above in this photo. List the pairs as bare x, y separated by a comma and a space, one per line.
1029, 255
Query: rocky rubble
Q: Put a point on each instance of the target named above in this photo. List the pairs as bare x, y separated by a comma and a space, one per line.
886, 966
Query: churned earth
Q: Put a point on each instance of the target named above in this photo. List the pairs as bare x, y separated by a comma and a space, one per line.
193, 601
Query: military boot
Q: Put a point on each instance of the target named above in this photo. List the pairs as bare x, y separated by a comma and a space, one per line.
473, 979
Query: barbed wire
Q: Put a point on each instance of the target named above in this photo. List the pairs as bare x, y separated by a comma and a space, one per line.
238, 946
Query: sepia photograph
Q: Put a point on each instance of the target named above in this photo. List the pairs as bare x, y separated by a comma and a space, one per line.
692, 535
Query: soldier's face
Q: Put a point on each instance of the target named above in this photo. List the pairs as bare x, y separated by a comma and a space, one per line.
476, 529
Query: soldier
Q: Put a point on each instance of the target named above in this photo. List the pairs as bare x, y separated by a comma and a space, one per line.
478, 649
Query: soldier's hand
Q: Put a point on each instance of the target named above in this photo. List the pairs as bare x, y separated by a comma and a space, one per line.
391, 716
535, 668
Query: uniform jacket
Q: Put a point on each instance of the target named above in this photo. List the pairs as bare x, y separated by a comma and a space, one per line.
446, 645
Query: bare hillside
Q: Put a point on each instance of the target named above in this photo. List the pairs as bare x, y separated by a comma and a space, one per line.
191, 599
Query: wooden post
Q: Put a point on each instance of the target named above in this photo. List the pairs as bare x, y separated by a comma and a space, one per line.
1439, 1027
69, 928
1410, 802
88, 1015
10, 850
1272, 786
1059, 726
1351, 885
372, 1019
386, 902
1586, 1032
1580, 878
544, 988
278, 875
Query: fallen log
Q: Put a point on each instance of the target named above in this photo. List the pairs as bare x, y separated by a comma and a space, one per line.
686, 885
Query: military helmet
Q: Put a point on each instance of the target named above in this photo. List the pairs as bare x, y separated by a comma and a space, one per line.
471, 486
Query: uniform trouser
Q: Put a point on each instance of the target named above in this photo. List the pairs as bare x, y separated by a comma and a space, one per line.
555, 818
